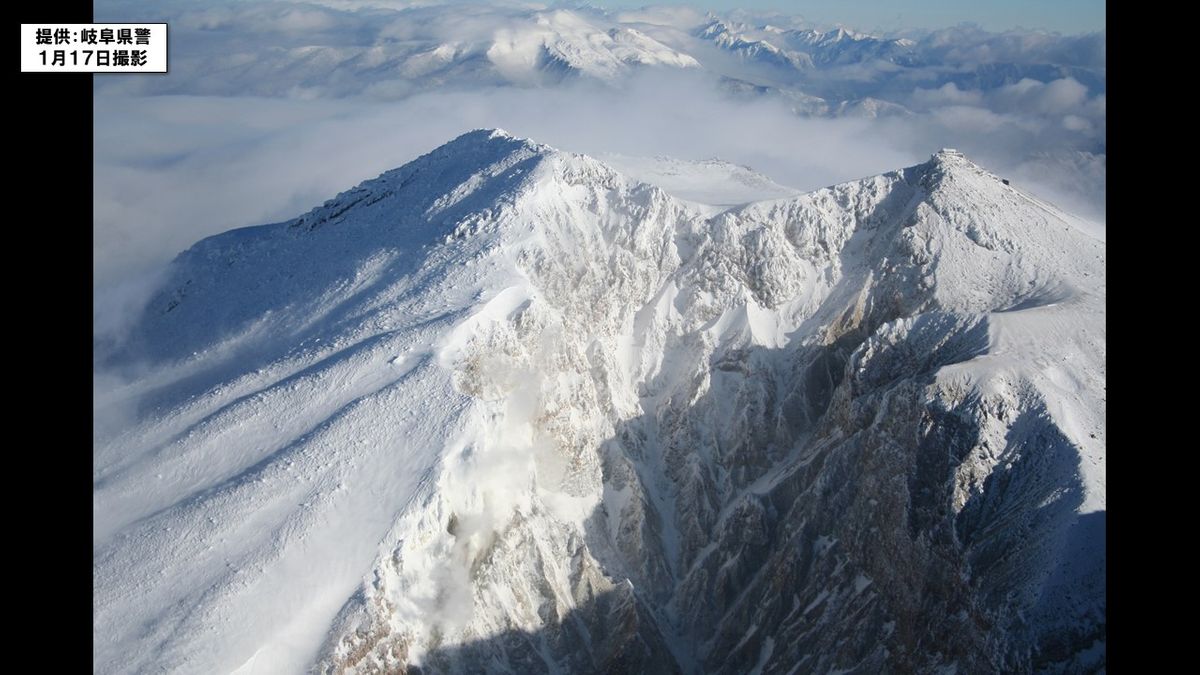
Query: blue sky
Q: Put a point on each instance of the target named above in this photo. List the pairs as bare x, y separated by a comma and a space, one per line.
1067, 16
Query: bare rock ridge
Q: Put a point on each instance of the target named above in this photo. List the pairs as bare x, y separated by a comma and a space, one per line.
541, 417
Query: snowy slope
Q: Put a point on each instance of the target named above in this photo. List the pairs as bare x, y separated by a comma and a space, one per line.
805, 50
728, 38
507, 409
714, 182
841, 46
571, 43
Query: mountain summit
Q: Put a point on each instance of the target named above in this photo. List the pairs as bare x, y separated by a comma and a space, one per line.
506, 409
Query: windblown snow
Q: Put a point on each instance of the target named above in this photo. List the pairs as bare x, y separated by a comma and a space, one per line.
506, 409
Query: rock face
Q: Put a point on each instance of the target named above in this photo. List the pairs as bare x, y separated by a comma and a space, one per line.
855, 430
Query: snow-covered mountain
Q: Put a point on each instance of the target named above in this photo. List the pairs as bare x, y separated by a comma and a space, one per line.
393, 53
806, 49
729, 39
569, 43
843, 47
389, 51
506, 409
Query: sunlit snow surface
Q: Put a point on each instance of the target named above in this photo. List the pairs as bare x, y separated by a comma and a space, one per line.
491, 391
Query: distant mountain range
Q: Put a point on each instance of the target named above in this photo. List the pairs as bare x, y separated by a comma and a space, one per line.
392, 53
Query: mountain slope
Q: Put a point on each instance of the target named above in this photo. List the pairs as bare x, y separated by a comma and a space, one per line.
505, 408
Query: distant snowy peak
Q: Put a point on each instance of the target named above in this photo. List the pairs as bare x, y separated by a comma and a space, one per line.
803, 49
828, 38
394, 52
842, 47
568, 43
634, 47
727, 37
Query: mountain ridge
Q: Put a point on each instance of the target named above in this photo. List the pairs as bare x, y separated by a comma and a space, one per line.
551, 399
